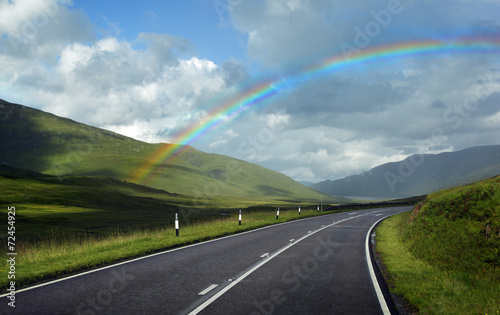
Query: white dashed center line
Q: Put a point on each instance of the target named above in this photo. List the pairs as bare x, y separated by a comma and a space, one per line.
210, 288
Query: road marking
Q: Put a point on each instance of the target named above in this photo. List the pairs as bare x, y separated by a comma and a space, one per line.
210, 288
148, 256
379, 214
205, 304
291, 240
376, 286
264, 255
161, 253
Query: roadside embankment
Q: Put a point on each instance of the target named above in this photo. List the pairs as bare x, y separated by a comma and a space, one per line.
444, 257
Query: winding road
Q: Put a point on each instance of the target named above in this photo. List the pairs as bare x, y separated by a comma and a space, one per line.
316, 265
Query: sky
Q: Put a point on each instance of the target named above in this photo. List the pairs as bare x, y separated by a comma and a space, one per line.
152, 69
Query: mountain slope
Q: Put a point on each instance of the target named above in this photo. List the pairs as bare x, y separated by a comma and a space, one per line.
34, 140
419, 174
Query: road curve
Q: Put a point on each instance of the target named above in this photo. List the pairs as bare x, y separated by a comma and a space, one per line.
311, 266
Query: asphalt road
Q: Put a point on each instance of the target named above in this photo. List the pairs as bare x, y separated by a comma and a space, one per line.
312, 266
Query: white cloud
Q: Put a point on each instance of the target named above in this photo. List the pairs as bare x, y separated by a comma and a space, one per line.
276, 121
21, 18
40, 29
223, 139
275, 28
300, 173
109, 83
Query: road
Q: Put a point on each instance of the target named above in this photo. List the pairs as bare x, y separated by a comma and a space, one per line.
311, 266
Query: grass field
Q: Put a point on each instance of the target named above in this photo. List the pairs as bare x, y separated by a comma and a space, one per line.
62, 254
444, 258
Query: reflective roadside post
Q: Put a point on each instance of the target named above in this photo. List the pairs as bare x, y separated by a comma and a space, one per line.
176, 224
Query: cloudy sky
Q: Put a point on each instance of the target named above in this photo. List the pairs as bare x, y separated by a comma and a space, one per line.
150, 69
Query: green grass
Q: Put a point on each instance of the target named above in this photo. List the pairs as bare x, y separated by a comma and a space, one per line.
444, 257
63, 254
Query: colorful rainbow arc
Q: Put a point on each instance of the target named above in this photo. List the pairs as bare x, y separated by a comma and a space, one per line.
265, 90
227, 110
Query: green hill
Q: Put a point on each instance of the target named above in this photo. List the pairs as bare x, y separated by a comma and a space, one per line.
33, 140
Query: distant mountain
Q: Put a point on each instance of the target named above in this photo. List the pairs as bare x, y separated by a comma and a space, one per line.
34, 140
305, 183
419, 174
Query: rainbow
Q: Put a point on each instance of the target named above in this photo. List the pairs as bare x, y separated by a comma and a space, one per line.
227, 110
258, 93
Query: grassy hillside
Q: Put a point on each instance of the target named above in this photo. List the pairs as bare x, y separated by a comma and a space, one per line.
419, 175
444, 258
45, 143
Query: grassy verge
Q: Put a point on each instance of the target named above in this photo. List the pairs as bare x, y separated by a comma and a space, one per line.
66, 254
444, 258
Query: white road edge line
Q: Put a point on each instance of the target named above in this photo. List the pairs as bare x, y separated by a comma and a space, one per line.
376, 286
210, 288
148, 256
202, 306
152, 255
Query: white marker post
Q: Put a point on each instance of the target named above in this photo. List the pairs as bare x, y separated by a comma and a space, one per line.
299, 209
240, 216
278, 213
176, 224
318, 208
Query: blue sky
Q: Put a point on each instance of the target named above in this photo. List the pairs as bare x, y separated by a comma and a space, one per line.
150, 69
205, 23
